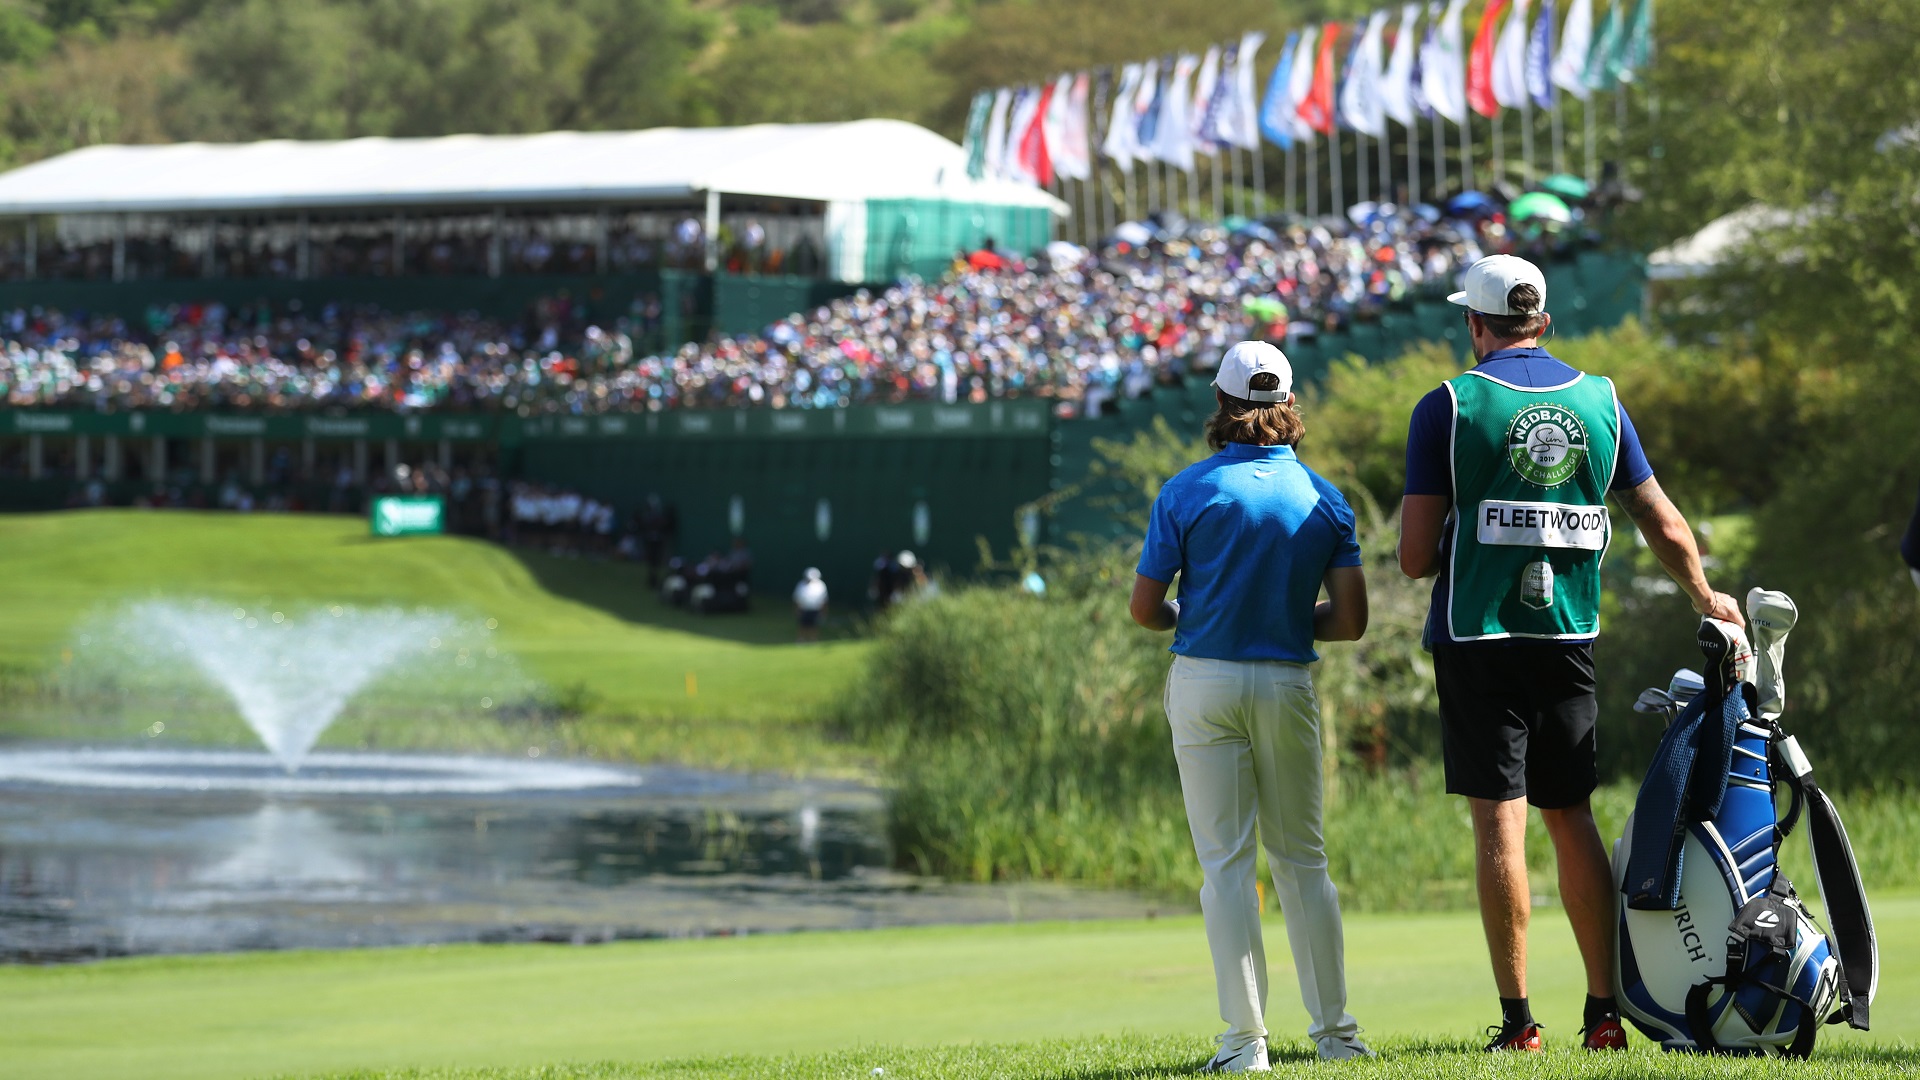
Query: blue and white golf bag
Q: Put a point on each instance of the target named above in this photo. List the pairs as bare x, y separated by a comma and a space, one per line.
1717, 953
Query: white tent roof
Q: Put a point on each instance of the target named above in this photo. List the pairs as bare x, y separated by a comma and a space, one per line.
863, 159
1703, 251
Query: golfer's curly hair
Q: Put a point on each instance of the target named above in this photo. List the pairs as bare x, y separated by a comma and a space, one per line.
1257, 423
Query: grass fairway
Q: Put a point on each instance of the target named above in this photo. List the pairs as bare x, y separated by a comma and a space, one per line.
721, 690
520, 1009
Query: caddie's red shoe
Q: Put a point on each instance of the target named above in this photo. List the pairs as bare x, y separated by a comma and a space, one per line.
1525, 1038
1608, 1034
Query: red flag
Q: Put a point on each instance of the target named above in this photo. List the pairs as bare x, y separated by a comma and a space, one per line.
1317, 107
1480, 63
1033, 145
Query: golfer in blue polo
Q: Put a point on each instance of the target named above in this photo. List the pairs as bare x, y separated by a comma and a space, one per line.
1254, 536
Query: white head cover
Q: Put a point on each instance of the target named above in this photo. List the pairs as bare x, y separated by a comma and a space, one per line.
1492, 278
1739, 652
1250, 358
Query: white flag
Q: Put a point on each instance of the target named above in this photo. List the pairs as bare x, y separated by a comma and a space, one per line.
1026, 105
1510, 59
1443, 71
1074, 158
1054, 125
1300, 80
1203, 88
1120, 146
1360, 103
1173, 142
1143, 96
1396, 91
1244, 128
996, 144
1576, 40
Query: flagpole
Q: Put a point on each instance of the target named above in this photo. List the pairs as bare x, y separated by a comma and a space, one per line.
1439, 156
1413, 161
1293, 180
1499, 146
1152, 192
1313, 176
1089, 227
1239, 192
1359, 167
1466, 151
1586, 119
1259, 156
1386, 164
1219, 197
1559, 137
1526, 138
1339, 182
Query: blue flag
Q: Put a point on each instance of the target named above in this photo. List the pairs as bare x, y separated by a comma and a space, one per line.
1276, 108
1150, 120
1540, 58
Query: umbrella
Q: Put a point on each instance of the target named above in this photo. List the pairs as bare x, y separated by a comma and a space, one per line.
1132, 232
1541, 206
1469, 203
1567, 186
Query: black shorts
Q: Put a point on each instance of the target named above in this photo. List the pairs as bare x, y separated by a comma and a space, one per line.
809, 619
1517, 719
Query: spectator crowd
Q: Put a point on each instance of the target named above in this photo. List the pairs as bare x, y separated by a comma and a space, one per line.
1157, 300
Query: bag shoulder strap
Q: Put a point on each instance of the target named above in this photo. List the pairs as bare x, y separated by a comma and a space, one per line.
1849, 919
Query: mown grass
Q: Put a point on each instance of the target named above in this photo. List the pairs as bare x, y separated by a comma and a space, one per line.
521, 1009
629, 677
1150, 1058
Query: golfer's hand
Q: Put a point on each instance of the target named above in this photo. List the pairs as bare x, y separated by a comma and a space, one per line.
1721, 606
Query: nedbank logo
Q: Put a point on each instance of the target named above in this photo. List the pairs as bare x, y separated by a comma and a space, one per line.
1546, 444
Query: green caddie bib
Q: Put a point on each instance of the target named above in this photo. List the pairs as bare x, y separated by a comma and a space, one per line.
1531, 468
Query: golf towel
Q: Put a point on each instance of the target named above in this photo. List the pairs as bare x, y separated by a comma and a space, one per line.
1684, 784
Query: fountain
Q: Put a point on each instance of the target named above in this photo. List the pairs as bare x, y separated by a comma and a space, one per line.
290, 676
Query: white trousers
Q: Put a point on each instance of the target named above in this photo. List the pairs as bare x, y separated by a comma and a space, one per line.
1247, 737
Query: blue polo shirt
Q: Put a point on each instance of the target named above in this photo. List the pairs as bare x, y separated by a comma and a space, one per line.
1251, 532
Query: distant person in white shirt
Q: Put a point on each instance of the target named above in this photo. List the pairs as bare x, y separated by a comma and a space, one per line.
810, 604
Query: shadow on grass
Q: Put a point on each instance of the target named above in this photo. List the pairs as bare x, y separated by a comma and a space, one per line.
620, 589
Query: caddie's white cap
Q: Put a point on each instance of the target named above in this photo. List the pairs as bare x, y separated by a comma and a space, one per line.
1492, 278
1250, 358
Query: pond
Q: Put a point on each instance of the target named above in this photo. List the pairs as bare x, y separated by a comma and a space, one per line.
113, 853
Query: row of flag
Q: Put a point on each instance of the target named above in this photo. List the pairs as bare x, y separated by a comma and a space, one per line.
1175, 109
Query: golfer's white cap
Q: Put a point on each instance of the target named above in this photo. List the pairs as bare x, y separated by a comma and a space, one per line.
812, 573
907, 560
1250, 358
1490, 280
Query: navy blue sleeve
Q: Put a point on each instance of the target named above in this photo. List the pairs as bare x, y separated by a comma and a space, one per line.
1910, 544
1161, 557
1429, 453
1630, 468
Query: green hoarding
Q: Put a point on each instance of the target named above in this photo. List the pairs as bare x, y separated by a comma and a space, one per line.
409, 515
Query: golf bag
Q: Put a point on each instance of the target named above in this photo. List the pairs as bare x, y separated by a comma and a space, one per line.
1701, 853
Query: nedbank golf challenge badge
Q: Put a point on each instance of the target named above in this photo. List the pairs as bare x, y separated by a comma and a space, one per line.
1546, 444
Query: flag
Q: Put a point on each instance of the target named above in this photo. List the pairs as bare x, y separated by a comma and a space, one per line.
1510, 59
1576, 40
995, 151
1300, 78
1443, 72
1480, 93
1316, 107
1053, 120
1173, 142
1035, 160
1417, 82
1601, 55
1020, 120
976, 133
1199, 120
1244, 131
1073, 158
1360, 102
1153, 87
1397, 89
1540, 58
1276, 107
1635, 50
1120, 146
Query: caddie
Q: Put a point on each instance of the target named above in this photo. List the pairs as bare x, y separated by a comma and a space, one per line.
1508, 469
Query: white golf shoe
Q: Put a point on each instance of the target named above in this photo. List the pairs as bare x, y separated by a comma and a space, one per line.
1342, 1048
1247, 1057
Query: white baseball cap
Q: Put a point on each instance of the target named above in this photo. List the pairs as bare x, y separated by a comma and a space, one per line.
1490, 280
1250, 358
